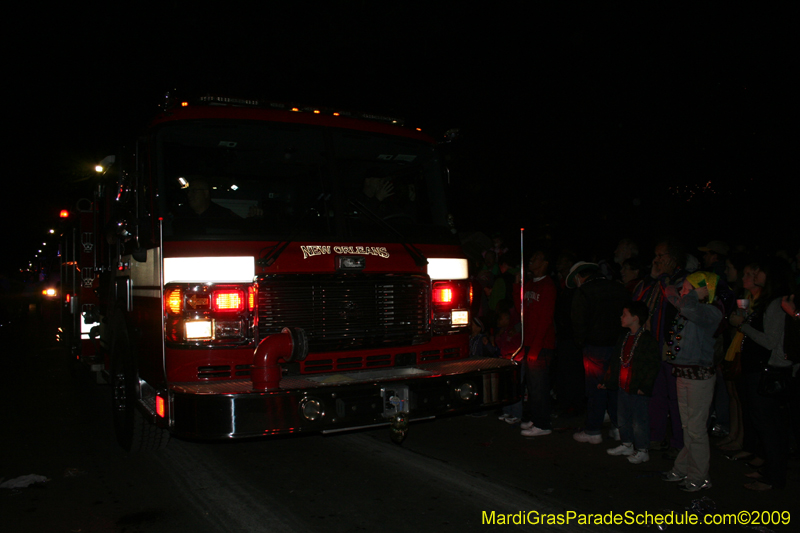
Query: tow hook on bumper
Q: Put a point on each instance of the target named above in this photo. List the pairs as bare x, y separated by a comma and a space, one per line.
395, 408
399, 428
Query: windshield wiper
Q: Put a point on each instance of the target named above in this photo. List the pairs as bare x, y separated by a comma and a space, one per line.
419, 258
278, 249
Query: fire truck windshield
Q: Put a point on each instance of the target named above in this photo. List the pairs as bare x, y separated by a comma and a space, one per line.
268, 180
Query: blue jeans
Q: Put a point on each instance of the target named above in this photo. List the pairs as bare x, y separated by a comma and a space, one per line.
515, 410
595, 364
538, 381
634, 419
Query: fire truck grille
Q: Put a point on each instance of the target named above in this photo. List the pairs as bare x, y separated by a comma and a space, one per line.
345, 312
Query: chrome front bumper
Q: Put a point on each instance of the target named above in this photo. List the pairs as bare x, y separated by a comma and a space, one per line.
336, 402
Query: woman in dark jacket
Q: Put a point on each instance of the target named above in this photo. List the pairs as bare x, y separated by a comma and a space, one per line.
762, 352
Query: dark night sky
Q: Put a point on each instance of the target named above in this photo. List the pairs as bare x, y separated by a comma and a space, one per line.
569, 111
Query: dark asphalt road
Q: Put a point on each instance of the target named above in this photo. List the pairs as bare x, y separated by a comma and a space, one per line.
446, 474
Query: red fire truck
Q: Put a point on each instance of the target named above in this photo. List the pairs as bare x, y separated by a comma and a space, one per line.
249, 268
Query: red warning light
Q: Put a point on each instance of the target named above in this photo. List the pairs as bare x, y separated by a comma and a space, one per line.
443, 295
64, 213
228, 300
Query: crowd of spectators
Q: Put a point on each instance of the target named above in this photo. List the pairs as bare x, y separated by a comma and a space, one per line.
670, 352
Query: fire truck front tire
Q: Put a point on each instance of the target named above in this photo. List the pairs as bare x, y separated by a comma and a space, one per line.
134, 432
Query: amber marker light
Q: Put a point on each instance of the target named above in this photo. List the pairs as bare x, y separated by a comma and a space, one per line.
174, 300
161, 410
251, 298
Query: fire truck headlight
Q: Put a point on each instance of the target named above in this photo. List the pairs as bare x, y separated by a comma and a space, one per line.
466, 391
311, 409
228, 329
199, 329
459, 317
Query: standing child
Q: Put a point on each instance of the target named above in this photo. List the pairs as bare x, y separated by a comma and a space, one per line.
479, 345
633, 370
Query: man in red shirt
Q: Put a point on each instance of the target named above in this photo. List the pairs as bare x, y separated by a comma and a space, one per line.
539, 334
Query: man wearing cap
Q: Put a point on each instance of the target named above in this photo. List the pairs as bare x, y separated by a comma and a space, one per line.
596, 308
716, 255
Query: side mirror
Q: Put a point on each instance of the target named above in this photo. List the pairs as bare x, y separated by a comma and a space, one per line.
140, 255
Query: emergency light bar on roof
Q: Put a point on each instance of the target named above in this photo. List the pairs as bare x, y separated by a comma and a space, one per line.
249, 102
225, 100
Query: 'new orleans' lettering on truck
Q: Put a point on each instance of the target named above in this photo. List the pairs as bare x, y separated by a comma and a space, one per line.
308, 251
247, 268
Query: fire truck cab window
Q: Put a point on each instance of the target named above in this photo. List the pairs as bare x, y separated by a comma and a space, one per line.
266, 180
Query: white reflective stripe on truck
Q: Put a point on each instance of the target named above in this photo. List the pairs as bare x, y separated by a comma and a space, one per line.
219, 269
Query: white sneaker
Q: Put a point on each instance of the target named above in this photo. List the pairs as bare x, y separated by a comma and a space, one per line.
672, 476
691, 486
503, 416
535, 432
614, 433
511, 419
581, 436
641, 456
626, 448
526, 425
